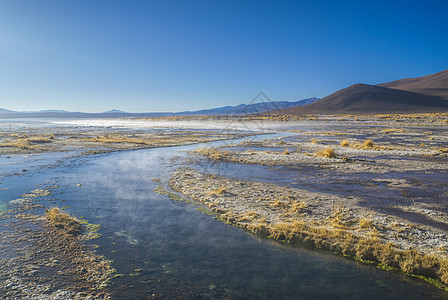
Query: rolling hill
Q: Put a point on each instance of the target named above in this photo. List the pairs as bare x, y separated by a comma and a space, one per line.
410, 95
371, 99
434, 84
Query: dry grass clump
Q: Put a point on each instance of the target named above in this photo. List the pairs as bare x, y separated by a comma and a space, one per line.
278, 204
116, 138
327, 153
368, 144
40, 139
390, 130
212, 153
63, 220
288, 207
286, 151
26, 143
345, 143
365, 223
297, 207
249, 216
337, 220
218, 192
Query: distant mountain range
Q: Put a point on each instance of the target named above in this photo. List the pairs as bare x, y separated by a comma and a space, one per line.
242, 109
411, 95
246, 109
5, 111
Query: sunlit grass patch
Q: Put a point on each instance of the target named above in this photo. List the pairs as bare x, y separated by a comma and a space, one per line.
345, 143
115, 138
25, 142
390, 130
278, 204
218, 192
288, 207
40, 139
249, 216
368, 143
365, 223
63, 220
337, 220
297, 207
327, 153
212, 153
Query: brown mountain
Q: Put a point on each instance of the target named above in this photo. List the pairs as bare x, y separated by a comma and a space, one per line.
434, 84
371, 99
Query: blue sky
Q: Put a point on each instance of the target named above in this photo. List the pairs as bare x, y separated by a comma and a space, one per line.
142, 56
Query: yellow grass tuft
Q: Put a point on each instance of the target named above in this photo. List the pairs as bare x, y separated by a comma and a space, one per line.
327, 152
368, 143
212, 153
345, 143
390, 130
217, 192
365, 223
63, 220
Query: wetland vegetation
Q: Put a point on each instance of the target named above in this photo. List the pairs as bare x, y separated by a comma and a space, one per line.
372, 188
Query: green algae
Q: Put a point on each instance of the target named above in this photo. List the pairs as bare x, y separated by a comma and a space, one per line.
91, 230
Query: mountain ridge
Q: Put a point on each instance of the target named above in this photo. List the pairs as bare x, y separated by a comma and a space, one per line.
410, 95
433, 84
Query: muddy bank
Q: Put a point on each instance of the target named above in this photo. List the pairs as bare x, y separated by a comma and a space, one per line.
323, 220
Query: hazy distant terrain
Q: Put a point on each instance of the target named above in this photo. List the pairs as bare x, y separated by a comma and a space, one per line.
242, 109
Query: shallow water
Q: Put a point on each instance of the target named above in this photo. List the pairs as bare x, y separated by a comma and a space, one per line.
170, 249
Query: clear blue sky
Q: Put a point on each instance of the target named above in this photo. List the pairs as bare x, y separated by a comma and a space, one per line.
141, 56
